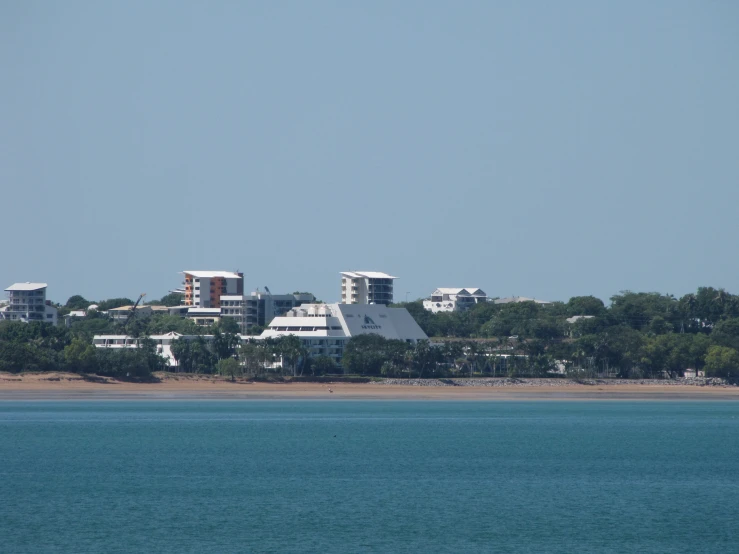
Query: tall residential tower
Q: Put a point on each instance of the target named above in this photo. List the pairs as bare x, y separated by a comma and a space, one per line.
366, 287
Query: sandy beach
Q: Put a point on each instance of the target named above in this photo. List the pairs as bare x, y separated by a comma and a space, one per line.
61, 386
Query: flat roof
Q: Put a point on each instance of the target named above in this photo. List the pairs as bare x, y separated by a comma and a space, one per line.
129, 308
368, 274
27, 286
211, 274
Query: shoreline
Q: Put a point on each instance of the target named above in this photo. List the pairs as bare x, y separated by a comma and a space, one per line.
69, 386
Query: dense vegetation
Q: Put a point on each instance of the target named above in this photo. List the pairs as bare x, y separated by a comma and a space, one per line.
639, 335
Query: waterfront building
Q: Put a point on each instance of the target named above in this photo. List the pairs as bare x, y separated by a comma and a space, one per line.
27, 302
454, 299
163, 343
324, 329
366, 287
203, 289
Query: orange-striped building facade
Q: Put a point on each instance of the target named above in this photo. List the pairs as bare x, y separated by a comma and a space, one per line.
204, 289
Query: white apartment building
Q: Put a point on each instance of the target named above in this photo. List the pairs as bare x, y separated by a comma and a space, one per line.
324, 329
454, 299
27, 302
203, 289
366, 287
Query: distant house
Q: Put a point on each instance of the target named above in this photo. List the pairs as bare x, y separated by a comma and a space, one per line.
454, 299
204, 316
689, 374
121, 314
515, 299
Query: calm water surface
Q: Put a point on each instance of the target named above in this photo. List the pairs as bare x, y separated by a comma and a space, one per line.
404, 476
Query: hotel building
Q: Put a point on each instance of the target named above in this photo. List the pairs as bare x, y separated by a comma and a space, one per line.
324, 329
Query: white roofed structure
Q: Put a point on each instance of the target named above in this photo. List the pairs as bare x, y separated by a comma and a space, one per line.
213, 274
512, 299
325, 328
26, 286
454, 299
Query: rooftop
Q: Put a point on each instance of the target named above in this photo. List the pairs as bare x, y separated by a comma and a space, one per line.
520, 299
367, 274
27, 286
472, 291
211, 274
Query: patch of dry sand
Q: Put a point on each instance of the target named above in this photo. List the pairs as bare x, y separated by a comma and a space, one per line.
58, 386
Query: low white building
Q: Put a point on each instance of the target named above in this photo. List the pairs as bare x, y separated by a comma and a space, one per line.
204, 316
454, 299
163, 343
27, 302
324, 329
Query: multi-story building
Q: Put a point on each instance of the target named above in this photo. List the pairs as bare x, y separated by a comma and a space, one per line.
366, 287
324, 329
203, 289
27, 302
259, 308
454, 300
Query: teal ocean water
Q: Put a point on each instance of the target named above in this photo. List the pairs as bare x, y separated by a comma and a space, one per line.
356, 476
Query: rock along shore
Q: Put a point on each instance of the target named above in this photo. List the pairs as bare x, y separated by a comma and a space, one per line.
523, 382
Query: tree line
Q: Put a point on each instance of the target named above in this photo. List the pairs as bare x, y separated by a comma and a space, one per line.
638, 335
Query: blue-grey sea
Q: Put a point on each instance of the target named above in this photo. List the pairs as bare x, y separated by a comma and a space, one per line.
369, 476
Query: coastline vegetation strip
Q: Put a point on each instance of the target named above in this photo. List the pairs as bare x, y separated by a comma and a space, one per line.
638, 336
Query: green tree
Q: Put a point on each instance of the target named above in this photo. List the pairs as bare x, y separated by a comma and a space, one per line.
80, 356
726, 333
365, 354
323, 365
229, 325
77, 302
171, 299
722, 361
585, 305
290, 349
111, 303
229, 367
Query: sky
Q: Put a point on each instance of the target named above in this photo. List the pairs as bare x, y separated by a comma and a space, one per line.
533, 148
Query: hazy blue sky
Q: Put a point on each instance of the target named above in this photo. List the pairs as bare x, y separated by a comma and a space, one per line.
545, 149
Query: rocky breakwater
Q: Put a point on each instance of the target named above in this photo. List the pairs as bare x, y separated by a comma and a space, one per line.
508, 382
